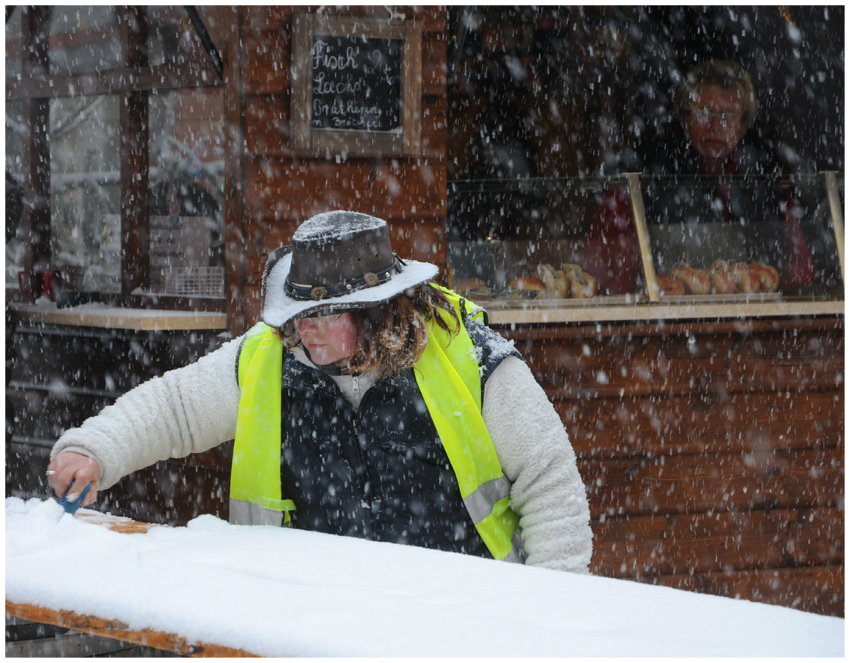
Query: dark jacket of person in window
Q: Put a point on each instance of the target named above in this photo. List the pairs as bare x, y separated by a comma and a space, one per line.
708, 181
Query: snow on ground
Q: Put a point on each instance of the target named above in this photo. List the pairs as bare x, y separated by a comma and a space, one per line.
280, 592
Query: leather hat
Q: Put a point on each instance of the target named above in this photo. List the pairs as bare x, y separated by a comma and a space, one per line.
337, 261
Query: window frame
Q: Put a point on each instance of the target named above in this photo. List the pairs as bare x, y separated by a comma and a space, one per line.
133, 83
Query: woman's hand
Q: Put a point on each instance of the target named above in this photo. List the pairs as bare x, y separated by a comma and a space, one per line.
82, 470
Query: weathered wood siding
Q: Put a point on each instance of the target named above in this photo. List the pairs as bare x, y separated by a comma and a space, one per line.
713, 453
63, 375
283, 188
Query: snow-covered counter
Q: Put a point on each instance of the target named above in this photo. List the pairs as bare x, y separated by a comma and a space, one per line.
280, 592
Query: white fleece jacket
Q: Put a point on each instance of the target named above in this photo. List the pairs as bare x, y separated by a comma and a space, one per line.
193, 409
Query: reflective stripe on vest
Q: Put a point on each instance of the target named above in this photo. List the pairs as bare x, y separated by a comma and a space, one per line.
255, 495
448, 376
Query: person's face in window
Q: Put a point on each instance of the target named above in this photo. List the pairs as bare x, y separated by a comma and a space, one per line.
714, 123
328, 339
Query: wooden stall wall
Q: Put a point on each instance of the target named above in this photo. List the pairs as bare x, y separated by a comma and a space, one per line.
62, 375
713, 453
283, 187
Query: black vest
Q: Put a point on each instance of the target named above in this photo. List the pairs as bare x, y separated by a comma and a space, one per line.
379, 471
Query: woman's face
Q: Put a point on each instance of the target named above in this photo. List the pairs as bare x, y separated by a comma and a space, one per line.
714, 122
328, 340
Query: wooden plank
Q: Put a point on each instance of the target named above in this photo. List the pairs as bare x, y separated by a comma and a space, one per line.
433, 62
266, 56
115, 81
412, 189
816, 589
115, 523
267, 127
434, 123
677, 365
831, 326
699, 543
535, 315
117, 630
252, 302
66, 411
714, 482
694, 423
122, 318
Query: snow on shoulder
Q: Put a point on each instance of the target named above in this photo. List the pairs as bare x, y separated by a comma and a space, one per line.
282, 592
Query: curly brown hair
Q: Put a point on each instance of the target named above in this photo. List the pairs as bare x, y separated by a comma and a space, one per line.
390, 337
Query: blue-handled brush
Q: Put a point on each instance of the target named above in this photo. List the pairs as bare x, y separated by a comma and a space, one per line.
71, 507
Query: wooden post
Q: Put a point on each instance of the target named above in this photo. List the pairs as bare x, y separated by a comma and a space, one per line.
837, 215
235, 238
411, 72
643, 236
35, 23
135, 216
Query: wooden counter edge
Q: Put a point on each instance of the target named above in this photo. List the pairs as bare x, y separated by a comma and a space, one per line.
661, 311
111, 628
116, 630
123, 318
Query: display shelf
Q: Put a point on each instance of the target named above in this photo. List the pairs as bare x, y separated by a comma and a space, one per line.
89, 315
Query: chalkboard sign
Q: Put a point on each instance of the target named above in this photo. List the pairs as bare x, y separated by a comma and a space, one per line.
356, 84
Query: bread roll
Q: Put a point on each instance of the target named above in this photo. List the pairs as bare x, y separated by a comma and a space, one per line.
582, 284
696, 280
474, 289
554, 281
722, 281
468, 284
524, 287
767, 276
669, 285
744, 281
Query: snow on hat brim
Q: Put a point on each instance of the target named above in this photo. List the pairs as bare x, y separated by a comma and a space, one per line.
279, 308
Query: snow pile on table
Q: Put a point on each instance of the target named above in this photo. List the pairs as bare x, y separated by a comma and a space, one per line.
281, 592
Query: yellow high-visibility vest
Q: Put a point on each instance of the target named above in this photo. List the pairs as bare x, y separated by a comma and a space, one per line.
448, 377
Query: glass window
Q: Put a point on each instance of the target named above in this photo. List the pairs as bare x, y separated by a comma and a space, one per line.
743, 237
85, 171
172, 37
84, 39
13, 44
187, 192
729, 116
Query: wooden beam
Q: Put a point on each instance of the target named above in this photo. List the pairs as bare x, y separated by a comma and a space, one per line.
36, 217
115, 81
234, 178
135, 170
116, 630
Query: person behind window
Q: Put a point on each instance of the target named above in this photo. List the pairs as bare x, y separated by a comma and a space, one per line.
716, 106
369, 403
